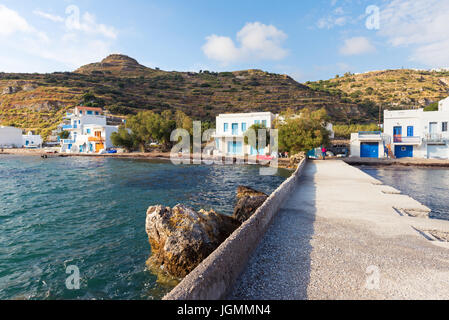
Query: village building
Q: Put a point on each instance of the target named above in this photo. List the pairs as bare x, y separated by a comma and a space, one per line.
10, 137
407, 134
88, 131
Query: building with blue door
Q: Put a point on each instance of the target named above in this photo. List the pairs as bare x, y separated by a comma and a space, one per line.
88, 131
230, 133
31, 140
403, 151
419, 134
369, 150
368, 144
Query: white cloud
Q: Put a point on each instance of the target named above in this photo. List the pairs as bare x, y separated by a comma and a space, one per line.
256, 41
336, 19
70, 43
11, 22
49, 16
421, 25
331, 22
88, 24
77, 22
356, 46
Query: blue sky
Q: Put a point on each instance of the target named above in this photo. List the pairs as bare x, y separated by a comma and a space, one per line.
308, 40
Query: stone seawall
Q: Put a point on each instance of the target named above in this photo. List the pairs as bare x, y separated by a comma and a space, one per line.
215, 276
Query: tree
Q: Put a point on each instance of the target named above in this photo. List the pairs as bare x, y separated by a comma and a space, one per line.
253, 140
432, 107
304, 132
90, 100
148, 126
123, 139
183, 121
64, 135
137, 124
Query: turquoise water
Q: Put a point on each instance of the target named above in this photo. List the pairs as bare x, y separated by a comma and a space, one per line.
427, 185
90, 212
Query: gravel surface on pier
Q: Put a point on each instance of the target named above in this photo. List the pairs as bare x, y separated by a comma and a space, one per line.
339, 237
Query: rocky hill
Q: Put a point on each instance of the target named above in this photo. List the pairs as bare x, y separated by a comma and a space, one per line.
403, 88
115, 64
123, 86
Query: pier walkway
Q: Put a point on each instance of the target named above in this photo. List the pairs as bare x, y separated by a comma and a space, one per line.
344, 235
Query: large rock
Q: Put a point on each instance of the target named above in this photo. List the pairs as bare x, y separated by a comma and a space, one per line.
296, 159
248, 201
182, 238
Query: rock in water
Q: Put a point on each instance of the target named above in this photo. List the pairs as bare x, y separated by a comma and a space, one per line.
296, 159
182, 238
248, 201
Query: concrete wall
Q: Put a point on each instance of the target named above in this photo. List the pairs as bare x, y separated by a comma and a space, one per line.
215, 276
11, 137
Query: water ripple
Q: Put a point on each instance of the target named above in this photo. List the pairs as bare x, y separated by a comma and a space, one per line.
91, 213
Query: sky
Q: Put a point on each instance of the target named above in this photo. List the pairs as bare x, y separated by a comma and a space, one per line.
308, 40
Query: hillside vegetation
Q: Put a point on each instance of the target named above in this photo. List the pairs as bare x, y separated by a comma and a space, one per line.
38, 101
392, 89
123, 86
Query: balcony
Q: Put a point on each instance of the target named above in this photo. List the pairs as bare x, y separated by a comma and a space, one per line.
436, 138
95, 139
69, 127
407, 140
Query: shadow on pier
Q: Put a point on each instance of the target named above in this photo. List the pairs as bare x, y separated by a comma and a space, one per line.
279, 269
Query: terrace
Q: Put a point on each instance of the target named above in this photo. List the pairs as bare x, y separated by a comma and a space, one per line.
370, 136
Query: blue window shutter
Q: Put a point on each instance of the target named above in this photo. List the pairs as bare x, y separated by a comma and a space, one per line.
225, 127
264, 122
244, 127
410, 132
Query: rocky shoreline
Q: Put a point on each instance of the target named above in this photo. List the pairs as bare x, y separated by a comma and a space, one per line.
181, 238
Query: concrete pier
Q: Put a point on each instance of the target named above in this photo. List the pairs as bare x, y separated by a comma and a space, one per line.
341, 234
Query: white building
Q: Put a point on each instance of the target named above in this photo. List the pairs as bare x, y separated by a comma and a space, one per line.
10, 137
31, 140
88, 130
407, 133
230, 129
419, 134
369, 144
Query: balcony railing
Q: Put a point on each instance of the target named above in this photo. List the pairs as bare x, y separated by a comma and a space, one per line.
436, 137
95, 139
406, 140
68, 141
370, 135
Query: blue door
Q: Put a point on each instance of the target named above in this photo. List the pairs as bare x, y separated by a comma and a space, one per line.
397, 134
410, 131
369, 150
403, 151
